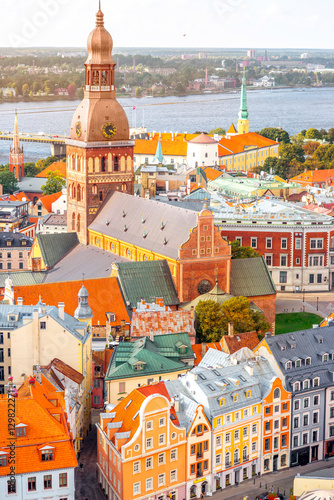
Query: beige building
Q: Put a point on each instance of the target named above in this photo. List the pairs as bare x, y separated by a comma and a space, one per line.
318, 480
40, 333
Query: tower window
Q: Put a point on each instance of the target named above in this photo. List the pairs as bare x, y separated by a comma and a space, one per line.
100, 196
73, 221
96, 78
103, 165
116, 164
94, 189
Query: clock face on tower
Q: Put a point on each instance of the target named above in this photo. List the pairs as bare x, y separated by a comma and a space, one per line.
78, 129
109, 130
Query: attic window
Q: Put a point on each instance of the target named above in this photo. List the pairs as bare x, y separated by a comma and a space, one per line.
135, 415
3, 460
21, 430
211, 388
203, 377
183, 349
138, 367
235, 398
216, 372
242, 378
23, 243
222, 402
47, 455
128, 404
248, 394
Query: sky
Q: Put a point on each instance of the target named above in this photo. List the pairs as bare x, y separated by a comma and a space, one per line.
171, 23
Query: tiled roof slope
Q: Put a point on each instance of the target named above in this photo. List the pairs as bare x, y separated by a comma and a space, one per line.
57, 166
169, 147
33, 408
104, 296
162, 322
250, 278
153, 357
56, 246
48, 199
93, 261
237, 143
143, 220
65, 369
212, 173
238, 341
311, 343
313, 176
147, 280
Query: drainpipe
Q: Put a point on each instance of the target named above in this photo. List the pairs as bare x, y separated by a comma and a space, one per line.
324, 425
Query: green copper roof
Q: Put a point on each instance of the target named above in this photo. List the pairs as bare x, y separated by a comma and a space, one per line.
250, 278
55, 246
147, 280
243, 113
151, 357
159, 157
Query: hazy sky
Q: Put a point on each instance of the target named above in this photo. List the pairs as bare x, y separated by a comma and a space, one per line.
163, 23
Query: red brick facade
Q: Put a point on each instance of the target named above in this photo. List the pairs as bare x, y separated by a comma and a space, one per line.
205, 257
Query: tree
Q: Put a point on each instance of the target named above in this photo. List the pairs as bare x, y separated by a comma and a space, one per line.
209, 321
219, 131
238, 312
138, 92
30, 169
49, 161
71, 90
25, 90
310, 146
313, 133
240, 252
276, 134
8, 181
54, 184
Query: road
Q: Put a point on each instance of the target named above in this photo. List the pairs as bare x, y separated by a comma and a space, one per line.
321, 303
86, 486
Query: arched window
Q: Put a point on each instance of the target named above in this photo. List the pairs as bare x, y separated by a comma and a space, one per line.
245, 453
236, 456
124, 186
78, 224
74, 193
227, 459
96, 78
104, 79
116, 164
103, 164
14, 171
94, 189
73, 221
79, 193
277, 393
88, 78
78, 164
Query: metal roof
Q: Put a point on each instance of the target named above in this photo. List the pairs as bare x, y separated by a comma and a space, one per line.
250, 278
55, 246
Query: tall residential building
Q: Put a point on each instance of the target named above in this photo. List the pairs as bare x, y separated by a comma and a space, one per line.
243, 121
16, 157
99, 152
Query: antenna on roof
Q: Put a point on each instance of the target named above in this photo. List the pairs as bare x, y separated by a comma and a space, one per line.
83, 278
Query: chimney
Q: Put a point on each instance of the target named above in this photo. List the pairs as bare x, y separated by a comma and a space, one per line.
203, 348
61, 310
249, 367
20, 301
177, 404
151, 336
37, 373
230, 330
267, 335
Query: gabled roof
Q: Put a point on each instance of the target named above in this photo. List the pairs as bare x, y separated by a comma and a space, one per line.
55, 246
232, 129
48, 199
34, 408
147, 280
154, 358
212, 173
104, 296
251, 278
65, 370
238, 143
138, 221
57, 166
240, 340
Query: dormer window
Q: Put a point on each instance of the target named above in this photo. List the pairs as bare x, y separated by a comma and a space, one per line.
235, 398
308, 361
296, 386
222, 402
47, 453
288, 365
12, 318
324, 357
8, 243
183, 349
306, 384
21, 430
297, 363
248, 394
316, 382
3, 459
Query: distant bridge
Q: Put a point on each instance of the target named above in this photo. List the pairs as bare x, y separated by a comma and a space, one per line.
58, 147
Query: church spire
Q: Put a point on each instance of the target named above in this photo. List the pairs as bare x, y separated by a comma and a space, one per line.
159, 157
16, 158
243, 122
16, 141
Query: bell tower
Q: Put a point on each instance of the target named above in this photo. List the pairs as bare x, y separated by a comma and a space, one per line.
99, 151
16, 157
243, 122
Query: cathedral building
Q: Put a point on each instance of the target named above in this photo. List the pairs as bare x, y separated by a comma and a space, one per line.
99, 151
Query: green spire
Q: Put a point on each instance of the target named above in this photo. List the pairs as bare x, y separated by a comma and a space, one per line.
243, 113
159, 157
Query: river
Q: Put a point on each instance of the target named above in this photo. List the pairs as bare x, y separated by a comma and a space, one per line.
292, 109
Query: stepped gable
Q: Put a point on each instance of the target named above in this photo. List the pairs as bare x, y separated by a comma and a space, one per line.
142, 221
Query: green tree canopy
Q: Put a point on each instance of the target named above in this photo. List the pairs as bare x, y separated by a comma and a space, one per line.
209, 321
240, 252
313, 133
54, 184
219, 131
30, 169
276, 134
8, 181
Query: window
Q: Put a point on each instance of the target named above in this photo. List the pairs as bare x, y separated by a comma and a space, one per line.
283, 275
121, 387
149, 484
192, 449
316, 382
269, 259
47, 481
315, 417
254, 242
295, 441
284, 260
307, 361
161, 458
173, 455
11, 486
236, 435
284, 440
305, 438
331, 430
254, 447
332, 395
284, 243
267, 410
275, 443
173, 475
331, 412
296, 422
315, 400
20, 265
162, 439
296, 405
136, 467
311, 278
269, 242
245, 431
267, 426
162, 422
267, 444
254, 428
42, 325
305, 384
149, 463
149, 443
284, 422
218, 459
276, 424
47, 455
306, 402
97, 383
314, 436
305, 420
283, 460
319, 278
63, 479
3, 460
161, 479
228, 437
297, 363
298, 243
296, 386
218, 440
136, 488
31, 483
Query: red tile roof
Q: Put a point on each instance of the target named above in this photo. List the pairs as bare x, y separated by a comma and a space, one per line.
200, 349
46, 425
203, 139
162, 322
48, 199
237, 143
57, 166
238, 341
313, 176
104, 296
212, 173
65, 369
169, 148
